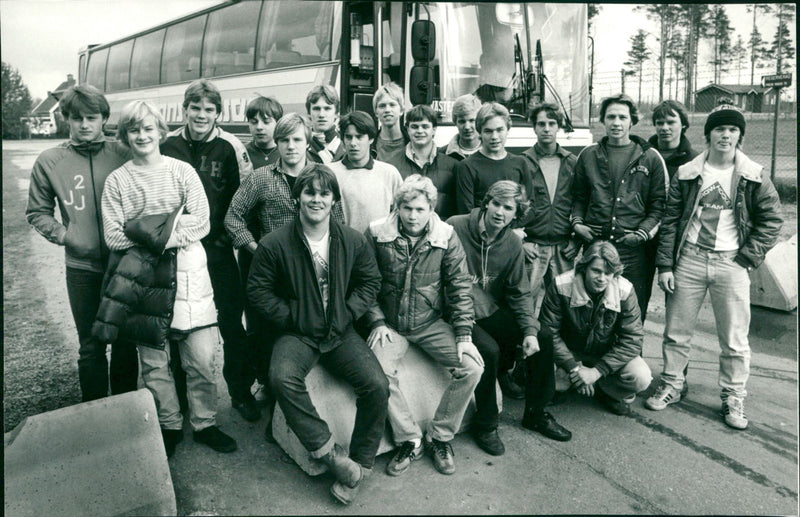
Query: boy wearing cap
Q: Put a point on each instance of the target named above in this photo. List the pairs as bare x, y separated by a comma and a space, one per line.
722, 216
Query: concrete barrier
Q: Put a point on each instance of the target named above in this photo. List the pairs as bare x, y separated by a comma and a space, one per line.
104, 457
422, 382
774, 283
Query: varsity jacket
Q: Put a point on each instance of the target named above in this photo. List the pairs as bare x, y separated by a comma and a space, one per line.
635, 205
222, 163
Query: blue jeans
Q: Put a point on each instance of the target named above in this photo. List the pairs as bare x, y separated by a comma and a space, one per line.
293, 357
439, 342
197, 359
728, 283
548, 264
84, 289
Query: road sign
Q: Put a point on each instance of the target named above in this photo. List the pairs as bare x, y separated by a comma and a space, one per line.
776, 80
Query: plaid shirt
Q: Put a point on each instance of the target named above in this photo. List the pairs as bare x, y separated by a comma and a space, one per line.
267, 192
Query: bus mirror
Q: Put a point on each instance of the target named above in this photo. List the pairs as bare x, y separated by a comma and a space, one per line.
421, 85
423, 40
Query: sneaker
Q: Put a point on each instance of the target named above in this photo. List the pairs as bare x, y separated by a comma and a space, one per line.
261, 393
442, 455
733, 412
618, 407
346, 471
510, 388
663, 396
171, 437
406, 453
545, 424
248, 409
345, 494
216, 439
489, 441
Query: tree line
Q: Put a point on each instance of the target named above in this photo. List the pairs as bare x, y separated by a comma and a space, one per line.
681, 28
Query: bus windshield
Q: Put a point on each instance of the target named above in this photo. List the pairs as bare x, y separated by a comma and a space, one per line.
476, 46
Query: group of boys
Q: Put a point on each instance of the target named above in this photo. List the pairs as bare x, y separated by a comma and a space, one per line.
354, 243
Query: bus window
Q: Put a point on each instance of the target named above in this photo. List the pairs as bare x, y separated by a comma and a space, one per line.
229, 44
181, 60
146, 60
82, 69
96, 71
289, 37
119, 66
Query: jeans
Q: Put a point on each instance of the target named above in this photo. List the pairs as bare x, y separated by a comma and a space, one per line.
439, 342
548, 264
637, 271
626, 382
696, 272
84, 289
197, 357
294, 356
229, 298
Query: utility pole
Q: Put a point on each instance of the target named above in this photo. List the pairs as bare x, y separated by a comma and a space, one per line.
777, 94
622, 76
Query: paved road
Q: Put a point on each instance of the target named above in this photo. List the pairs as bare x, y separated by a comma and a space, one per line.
682, 460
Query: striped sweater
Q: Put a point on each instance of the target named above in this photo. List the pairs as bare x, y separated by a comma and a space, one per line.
134, 191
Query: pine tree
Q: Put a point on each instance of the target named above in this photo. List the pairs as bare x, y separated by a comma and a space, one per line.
16, 101
757, 45
593, 11
677, 54
721, 33
695, 18
781, 50
665, 15
739, 54
637, 55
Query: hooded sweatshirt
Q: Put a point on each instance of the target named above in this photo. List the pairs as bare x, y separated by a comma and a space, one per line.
497, 271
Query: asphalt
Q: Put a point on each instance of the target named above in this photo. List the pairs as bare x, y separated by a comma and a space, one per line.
682, 460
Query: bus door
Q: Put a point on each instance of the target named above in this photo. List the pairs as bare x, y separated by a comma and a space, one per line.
372, 53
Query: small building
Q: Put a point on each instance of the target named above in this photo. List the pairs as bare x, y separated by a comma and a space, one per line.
45, 116
749, 97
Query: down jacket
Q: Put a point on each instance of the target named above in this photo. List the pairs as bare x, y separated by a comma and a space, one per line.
140, 285
607, 336
419, 283
756, 210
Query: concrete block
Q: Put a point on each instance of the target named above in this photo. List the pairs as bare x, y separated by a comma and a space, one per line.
104, 457
422, 382
774, 283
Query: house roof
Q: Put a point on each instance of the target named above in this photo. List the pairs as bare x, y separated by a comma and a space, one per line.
735, 88
69, 83
44, 108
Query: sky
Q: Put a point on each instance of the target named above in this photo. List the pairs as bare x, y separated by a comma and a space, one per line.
41, 38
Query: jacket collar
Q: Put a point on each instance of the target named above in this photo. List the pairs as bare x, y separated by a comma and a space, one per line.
184, 132
684, 146
580, 297
535, 152
428, 159
388, 230
454, 148
742, 166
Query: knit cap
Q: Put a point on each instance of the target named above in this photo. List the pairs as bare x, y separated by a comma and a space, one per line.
725, 115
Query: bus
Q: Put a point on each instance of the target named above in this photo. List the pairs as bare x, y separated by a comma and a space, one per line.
517, 54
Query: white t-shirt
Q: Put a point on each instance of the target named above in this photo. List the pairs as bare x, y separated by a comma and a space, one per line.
320, 254
713, 226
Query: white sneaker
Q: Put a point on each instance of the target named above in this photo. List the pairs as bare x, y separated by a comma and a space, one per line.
663, 396
733, 411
